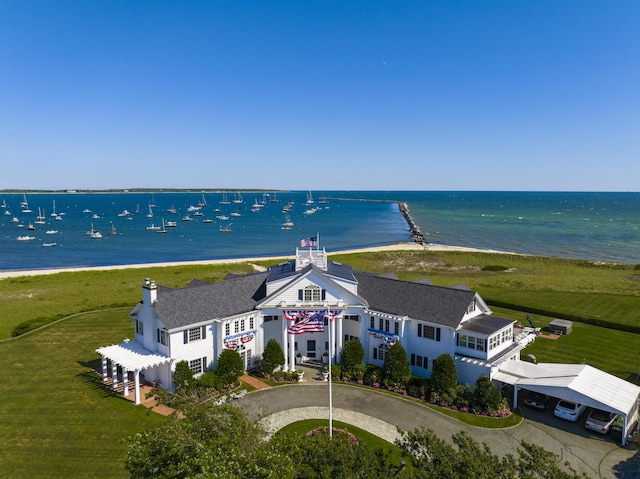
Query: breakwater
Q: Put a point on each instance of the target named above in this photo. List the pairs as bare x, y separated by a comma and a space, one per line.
414, 229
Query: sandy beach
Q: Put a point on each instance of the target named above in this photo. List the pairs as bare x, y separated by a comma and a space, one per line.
407, 246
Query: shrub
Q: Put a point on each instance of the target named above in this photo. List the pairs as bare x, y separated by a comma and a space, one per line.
272, 357
444, 377
183, 375
486, 396
352, 356
396, 369
229, 367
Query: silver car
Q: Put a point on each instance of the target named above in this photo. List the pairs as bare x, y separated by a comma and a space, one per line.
600, 421
569, 410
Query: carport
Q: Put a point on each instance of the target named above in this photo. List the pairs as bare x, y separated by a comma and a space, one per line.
579, 383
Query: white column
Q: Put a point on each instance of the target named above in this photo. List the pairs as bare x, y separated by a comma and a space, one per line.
136, 385
105, 373
292, 352
114, 375
340, 338
125, 382
284, 343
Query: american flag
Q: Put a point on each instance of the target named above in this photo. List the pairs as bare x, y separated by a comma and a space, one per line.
308, 322
308, 242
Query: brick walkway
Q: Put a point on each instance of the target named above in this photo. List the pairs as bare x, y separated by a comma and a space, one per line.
255, 382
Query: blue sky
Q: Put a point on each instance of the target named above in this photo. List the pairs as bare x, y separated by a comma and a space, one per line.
394, 95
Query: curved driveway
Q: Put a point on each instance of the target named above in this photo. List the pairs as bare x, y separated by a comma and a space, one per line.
595, 456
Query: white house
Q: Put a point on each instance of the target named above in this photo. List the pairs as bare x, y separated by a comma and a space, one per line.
243, 312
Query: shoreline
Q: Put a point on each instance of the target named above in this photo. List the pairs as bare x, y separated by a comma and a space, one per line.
405, 246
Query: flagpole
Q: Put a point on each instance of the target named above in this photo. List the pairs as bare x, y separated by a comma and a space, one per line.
330, 361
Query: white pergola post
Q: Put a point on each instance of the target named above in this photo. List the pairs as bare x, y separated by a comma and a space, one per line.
125, 382
105, 371
114, 375
136, 385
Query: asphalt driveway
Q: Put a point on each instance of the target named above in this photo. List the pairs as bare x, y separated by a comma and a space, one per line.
597, 456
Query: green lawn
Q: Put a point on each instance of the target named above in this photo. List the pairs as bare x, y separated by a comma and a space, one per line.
56, 418
301, 428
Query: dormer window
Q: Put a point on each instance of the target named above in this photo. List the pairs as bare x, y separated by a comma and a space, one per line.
472, 307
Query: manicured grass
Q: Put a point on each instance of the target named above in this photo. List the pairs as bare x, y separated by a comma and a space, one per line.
605, 291
50, 297
301, 428
57, 419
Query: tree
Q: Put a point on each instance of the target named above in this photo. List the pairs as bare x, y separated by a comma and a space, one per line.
272, 357
352, 355
444, 376
434, 458
210, 441
183, 375
486, 396
396, 369
229, 367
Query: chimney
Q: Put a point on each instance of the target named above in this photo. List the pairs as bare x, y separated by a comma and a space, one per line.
149, 292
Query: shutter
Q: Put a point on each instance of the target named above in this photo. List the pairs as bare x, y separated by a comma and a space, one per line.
299, 295
324, 294
437, 334
204, 364
413, 359
157, 335
186, 336
419, 330
375, 353
204, 332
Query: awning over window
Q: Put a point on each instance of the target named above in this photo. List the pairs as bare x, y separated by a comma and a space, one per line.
132, 356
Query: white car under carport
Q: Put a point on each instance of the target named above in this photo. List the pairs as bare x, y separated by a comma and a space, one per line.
579, 383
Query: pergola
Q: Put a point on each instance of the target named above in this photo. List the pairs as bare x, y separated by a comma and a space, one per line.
130, 356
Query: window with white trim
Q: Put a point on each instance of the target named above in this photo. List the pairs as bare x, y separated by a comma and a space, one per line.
198, 366
312, 293
140, 327
251, 323
268, 318
195, 334
163, 336
380, 352
419, 361
428, 332
227, 329
472, 307
352, 317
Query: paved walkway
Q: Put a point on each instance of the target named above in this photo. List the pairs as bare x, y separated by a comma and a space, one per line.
277, 421
597, 456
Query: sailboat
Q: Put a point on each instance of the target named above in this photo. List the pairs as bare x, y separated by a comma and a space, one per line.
153, 201
41, 217
238, 199
25, 205
226, 229
4, 204
150, 214
309, 199
172, 210
288, 224
54, 214
112, 231
273, 198
203, 202
225, 201
163, 229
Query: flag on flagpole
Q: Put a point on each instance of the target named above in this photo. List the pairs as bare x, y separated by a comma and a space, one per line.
309, 242
308, 322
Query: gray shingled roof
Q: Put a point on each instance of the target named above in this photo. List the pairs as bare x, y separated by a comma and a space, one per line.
201, 302
436, 304
486, 324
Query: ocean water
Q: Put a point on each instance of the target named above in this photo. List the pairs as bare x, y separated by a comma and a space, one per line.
597, 226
